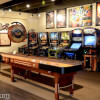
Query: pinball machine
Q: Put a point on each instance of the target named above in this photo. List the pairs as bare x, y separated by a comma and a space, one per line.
43, 44
92, 49
54, 42
32, 43
63, 43
75, 50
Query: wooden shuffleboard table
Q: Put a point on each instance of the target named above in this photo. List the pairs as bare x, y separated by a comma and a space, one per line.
62, 70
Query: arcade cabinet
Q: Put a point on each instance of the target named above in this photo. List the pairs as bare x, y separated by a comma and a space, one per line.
92, 49
54, 42
75, 49
32, 43
43, 44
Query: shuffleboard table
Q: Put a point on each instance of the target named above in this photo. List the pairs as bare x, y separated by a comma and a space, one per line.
62, 70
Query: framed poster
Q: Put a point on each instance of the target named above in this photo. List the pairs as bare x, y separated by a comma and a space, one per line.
50, 19
61, 18
80, 16
98, 14
4, 40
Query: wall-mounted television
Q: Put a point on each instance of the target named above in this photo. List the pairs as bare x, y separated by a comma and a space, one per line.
43, 36
75, 45
53, 36
65, 36
90, 41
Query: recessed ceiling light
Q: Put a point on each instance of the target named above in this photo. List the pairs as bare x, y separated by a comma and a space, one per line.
52, 0
10, 10
43, 2
28, 5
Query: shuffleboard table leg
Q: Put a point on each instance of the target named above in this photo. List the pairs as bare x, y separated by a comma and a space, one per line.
72, 87
56, 88
12, 73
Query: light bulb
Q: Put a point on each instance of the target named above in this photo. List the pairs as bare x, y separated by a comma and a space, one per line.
28, 5
52, 0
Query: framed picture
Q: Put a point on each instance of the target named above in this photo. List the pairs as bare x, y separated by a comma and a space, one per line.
50, 19
98, 14
61, 18
4, 40
80, 16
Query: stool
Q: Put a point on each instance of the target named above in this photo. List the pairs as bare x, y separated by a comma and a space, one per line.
93, 61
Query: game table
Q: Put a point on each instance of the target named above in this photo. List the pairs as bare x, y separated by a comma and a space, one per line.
62, 70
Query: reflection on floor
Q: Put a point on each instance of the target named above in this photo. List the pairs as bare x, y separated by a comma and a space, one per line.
87, 86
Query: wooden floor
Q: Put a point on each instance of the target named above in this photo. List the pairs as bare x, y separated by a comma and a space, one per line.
87, 86
17, 93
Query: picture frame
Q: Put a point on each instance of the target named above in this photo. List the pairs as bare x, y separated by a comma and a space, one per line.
4, 39
80, 16
97, 14
50, 20
61, 18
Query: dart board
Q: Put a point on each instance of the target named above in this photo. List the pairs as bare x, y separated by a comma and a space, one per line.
17, 33
32, 36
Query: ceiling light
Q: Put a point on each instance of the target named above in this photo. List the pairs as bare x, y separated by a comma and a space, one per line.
10, 10
28, 5
43, 2
52, 0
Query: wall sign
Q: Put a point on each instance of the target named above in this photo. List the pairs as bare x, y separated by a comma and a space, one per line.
80, 16
61, 18
17, 32
4, 28
50, 19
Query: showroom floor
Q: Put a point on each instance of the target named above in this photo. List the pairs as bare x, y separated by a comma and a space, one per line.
87, 87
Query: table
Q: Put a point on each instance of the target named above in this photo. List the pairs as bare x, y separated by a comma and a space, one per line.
62, 70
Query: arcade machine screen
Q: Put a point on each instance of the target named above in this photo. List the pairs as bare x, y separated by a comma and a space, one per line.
89, 41
54, 36
43, 36
75, 46
65, 36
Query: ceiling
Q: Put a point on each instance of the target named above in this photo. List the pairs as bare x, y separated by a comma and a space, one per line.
35, 5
